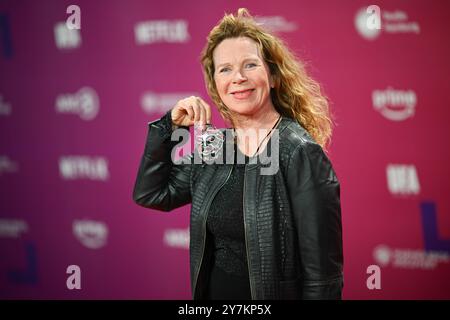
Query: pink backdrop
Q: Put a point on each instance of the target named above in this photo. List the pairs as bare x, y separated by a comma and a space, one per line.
74, 108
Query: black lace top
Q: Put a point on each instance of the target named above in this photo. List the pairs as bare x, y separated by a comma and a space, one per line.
225, 224
229, 277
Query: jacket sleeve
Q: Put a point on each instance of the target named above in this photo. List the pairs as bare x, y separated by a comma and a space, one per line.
314, 191
161, 184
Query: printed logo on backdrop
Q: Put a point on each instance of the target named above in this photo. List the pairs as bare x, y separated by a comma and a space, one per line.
371, 21
7, 165
276, 24
76, 167
5, 31
408, 258
5, 107
395, 105
152, 102
177, 238
432, 239
156, 31
27, 274
402, 179
12, 228
66, 38
436, 249
84, 103
92, 234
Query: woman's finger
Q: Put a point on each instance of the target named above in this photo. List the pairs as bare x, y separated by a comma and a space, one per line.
190, 111
202, 113
196, 110
207, 109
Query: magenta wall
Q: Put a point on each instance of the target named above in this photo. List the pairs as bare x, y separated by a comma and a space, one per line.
73, 119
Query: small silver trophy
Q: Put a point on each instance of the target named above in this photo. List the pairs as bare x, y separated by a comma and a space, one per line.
209, 141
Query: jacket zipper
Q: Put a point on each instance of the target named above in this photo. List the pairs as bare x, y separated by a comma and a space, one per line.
204, 231
246, 241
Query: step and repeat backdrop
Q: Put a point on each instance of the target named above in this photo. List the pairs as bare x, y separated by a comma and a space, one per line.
80, 80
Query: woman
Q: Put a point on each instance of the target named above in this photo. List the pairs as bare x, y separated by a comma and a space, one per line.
253, 235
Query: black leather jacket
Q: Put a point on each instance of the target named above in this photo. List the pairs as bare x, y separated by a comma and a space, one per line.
292, 219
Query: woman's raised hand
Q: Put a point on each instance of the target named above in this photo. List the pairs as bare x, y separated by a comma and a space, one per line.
190, 111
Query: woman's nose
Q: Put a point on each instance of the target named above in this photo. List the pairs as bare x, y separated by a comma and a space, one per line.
239, 77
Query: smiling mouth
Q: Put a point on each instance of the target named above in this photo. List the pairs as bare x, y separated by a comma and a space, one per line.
242, 92
241, 95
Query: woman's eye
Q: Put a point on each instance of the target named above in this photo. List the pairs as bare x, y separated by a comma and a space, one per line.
248, 65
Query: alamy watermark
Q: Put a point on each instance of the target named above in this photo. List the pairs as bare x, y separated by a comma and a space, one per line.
269, 160
374, 280
74, 20
74, 280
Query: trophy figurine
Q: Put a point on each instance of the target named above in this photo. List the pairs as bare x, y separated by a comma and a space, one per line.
209, 141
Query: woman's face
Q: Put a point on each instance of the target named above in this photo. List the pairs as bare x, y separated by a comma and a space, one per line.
242, 77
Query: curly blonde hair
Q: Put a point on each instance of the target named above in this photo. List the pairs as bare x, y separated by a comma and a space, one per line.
295, 94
